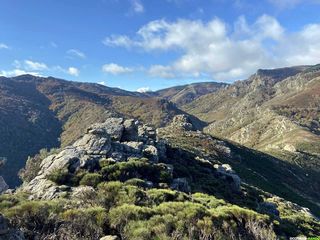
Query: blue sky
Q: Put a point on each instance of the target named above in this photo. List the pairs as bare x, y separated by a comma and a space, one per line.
153, 44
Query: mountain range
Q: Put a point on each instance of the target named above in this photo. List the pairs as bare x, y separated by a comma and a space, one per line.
246, 143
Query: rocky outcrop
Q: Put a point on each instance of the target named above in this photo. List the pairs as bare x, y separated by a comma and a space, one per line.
182, 121
116, 140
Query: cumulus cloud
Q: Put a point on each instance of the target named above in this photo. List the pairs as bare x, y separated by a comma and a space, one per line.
18, 72
35, 66
4, 46
217, 50
76, 53
73, 71
118, 41
137, 6
116, 69
37, 69
143, 90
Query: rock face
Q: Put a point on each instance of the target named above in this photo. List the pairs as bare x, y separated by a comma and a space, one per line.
115, 139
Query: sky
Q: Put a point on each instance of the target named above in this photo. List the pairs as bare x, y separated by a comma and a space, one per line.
142, 45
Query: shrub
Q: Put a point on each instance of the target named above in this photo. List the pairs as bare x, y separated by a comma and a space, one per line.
91, 179
59, 176
86, 223
116, 193
158, 196
105, 162
136, 182
119, 216
108, 193
134, 168
207, 200
34, 217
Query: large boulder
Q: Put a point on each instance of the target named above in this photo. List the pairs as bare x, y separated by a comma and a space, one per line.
112, 126
42, 188
130, 132
68, 158
94, 144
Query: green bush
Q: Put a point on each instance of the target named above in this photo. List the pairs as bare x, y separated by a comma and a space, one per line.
158, 196
64, 177
34, 217
207, 200
59, 176
136, 168
119, 216
91, 179
113, 194
88, 223
136, 182
105, 162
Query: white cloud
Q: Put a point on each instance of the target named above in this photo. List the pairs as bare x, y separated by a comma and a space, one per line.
161, 71
76, 53
216, 50
137, 6
73, 71
118, 41
3, 46
143, 90
35, 66
116, 69
17, 72
37, 69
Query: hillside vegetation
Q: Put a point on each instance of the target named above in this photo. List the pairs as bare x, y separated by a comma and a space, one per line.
126, 180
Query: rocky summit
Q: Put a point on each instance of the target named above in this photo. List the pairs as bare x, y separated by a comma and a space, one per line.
115, 140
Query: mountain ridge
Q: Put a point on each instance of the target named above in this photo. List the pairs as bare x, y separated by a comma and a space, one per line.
41, 113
